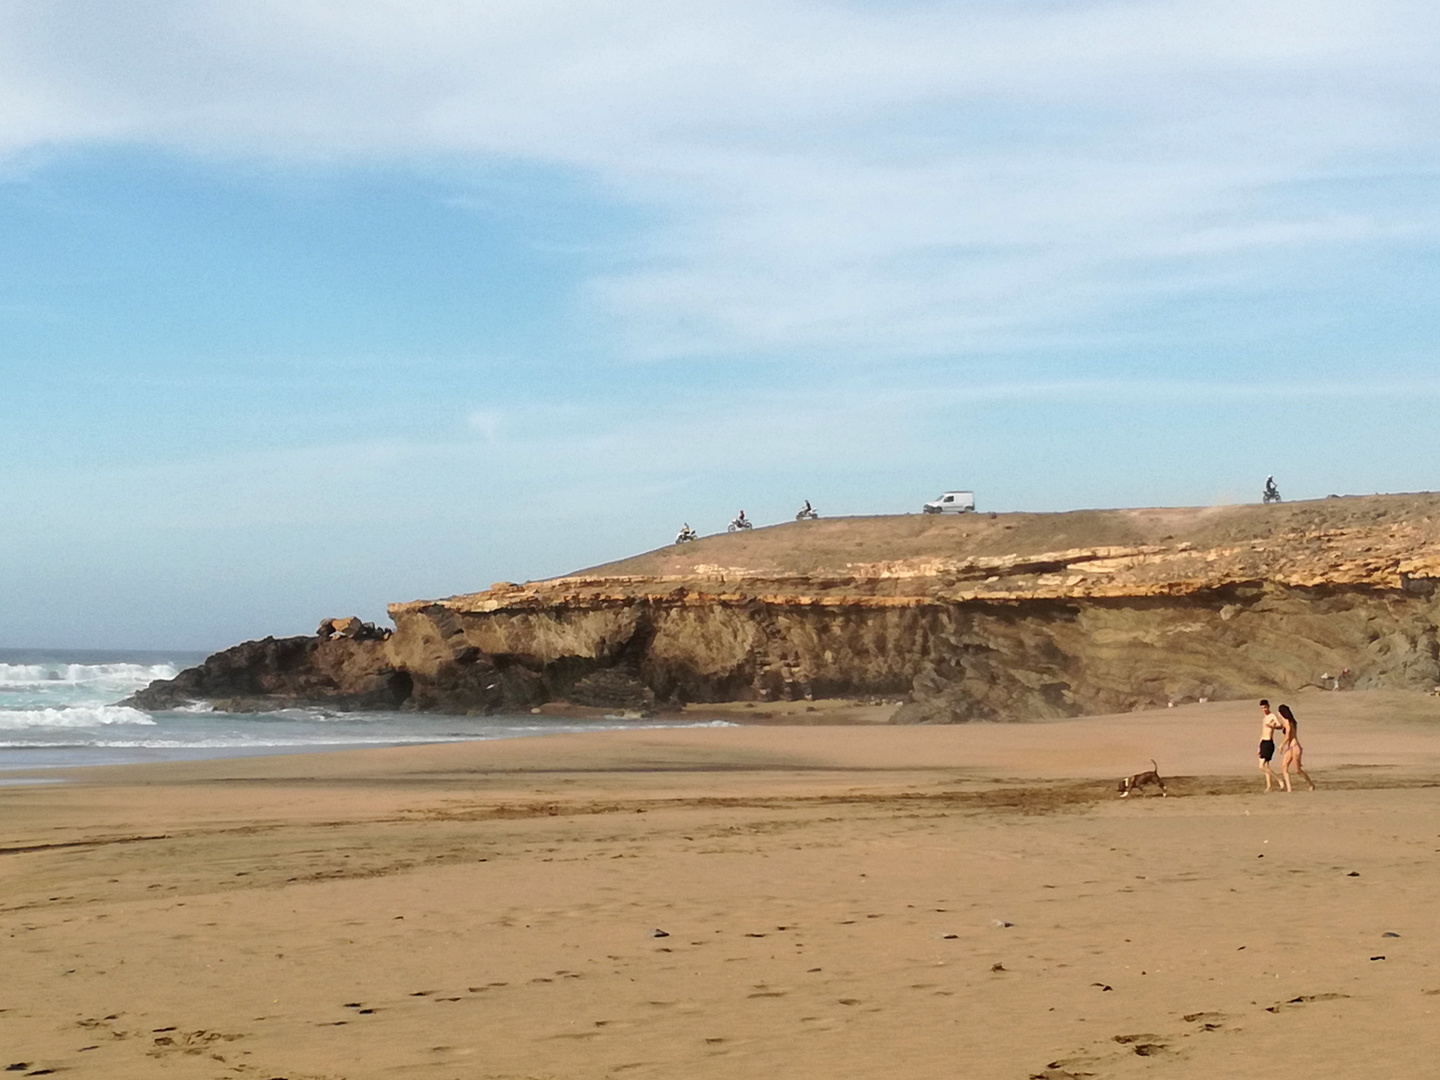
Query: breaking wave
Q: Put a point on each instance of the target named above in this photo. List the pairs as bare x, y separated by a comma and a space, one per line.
59, 709
73, 716
117, 677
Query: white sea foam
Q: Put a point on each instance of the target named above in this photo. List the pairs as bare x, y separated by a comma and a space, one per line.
234, 742
71, 717
98, 676
59, 710
307, 740
321, 716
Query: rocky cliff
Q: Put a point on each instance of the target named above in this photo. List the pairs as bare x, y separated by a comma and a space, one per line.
975, 617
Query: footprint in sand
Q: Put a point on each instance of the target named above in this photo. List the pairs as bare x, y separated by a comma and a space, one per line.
1064, 1069
1208, 1021
1142, 1045
1303, 999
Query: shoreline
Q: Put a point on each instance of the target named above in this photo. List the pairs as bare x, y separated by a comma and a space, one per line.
805, 713
234, 737
1366, 729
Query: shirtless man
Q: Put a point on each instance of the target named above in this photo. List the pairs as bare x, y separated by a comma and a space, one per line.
1269, 725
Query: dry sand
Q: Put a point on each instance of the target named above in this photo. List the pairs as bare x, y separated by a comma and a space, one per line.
832, 898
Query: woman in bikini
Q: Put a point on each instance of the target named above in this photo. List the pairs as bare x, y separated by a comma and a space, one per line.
1291, 752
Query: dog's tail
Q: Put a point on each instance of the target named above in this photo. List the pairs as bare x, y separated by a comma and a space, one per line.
1154, 766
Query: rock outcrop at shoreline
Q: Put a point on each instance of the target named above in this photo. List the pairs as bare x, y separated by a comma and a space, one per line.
1010, 616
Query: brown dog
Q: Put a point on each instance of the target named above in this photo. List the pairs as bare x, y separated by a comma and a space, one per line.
1140, 779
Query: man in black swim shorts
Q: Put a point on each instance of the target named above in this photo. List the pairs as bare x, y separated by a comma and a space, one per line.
1269, 724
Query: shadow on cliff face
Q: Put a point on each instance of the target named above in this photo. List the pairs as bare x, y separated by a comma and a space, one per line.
1102, 656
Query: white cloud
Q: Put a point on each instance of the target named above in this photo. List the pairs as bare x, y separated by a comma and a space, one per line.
487, 422
839, 179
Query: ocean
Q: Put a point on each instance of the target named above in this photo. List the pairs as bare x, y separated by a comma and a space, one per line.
58, 708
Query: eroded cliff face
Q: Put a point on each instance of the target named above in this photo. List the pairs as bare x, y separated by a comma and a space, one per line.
971, 618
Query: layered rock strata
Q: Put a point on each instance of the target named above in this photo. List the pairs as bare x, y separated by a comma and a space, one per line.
1005, 617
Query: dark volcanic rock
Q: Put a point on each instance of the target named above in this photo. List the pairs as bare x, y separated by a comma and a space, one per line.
347, 673
352, 627
275, 672
611, 688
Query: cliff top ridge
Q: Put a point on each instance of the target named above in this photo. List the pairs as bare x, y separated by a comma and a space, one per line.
1383, 541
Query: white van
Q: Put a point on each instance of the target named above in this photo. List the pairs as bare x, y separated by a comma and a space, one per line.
952, 502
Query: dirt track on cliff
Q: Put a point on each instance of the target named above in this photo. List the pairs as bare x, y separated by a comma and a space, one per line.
834, 546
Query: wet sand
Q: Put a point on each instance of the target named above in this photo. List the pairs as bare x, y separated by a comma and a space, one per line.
833, 901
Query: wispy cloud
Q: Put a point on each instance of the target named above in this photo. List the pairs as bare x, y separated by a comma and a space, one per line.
487, 422
850, 181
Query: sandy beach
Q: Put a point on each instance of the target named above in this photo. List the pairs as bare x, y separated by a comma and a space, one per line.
771, 900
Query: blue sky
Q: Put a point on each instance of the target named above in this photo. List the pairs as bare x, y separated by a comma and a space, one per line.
306, 307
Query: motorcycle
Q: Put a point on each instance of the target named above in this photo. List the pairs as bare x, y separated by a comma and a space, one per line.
740, 522
807, 513
1271, 493
686, 534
